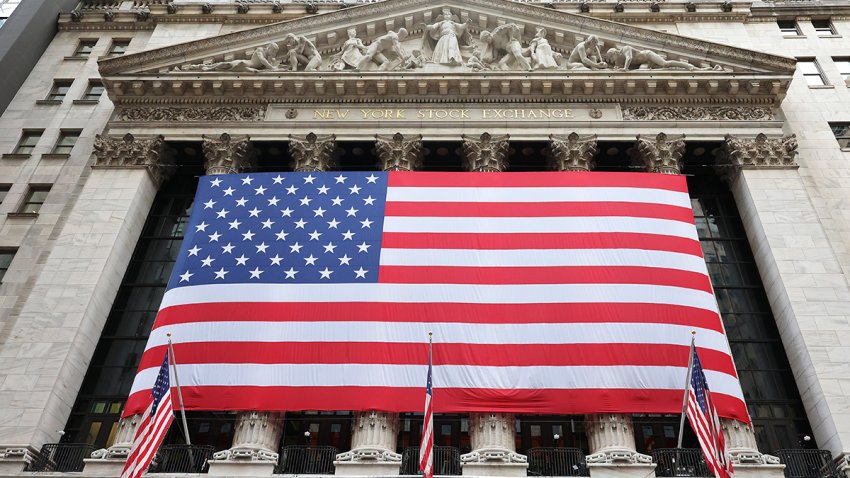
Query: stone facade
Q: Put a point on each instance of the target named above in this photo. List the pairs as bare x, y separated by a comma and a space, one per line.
725, 78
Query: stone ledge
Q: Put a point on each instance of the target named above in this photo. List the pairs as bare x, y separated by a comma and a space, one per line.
241, 468
16, 156
23, 215
86, 102
48, 102
494, 469
76, 58
367, 468
607, 470
56, 156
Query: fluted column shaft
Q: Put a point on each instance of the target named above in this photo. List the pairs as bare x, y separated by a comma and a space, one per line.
611, 437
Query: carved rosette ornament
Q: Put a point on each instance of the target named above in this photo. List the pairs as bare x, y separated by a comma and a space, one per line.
373, 438
130, 152
228, 155
120, 448
491, 436
313, 153
256, 437
662, 154
487, 154
612, 440
396, 153
573, 152
741, 444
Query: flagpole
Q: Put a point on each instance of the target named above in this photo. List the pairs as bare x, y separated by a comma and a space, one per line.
687, 387
179, 392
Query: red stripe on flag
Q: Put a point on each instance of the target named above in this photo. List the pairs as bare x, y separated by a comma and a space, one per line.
544, 275
511, 241
668, 182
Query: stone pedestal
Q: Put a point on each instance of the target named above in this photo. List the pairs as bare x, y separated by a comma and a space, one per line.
255, 441
844, 466
612, 440
373, 442
759, 471
611, 470
493, 445
104, 467
120, 448
13, 459
741, 444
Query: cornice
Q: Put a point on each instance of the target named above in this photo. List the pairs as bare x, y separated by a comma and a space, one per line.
163, 57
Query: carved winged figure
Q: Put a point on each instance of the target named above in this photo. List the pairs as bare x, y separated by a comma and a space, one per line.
442, 40
503, 48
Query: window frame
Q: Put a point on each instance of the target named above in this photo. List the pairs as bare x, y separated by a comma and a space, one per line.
79, 50
819, 72
843, 139
28, 134
56, 93
4, 191
786, 32
840, 61
27, 200
118, 42
59, 147
87, 94
824, 31
4, 268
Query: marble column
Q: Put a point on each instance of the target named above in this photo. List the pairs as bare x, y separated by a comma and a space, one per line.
572, 152
611, 437
313, 153
663, 154
492, 435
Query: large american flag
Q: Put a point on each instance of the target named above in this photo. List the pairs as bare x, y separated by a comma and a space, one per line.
158, 415
706, 424
551, 292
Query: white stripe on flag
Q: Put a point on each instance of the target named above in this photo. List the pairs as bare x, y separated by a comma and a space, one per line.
538, 195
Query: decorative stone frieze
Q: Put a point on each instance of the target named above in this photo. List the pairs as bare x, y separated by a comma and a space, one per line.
741, 444
313, 153
129, 152
660, 155
120, 448
227, 155
572, 152
491, 436
486, 154
761, 152
192, 114
395, 153
698, 113
256, 437
612, 440
373, 438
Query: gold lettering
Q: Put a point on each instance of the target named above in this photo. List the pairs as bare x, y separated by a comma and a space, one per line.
341, 114
546, 113
464, 113
321, 114
568, 113
532, 114
557, 114
365, 114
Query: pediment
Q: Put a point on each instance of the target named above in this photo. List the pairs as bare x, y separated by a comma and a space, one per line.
498, 47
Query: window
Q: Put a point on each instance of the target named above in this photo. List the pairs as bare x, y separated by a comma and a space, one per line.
843, 65
34, 200
842, 134
93, 91
6, 256
4, 190
823, 28
66, 142
85, 47
59, 90
811, 72
118, 47
28, 141
788, 27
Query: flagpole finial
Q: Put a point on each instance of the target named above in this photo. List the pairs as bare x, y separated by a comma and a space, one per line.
430, 334
693, 332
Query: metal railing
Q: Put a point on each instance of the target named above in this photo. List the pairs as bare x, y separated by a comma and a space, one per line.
680, 462
556, 462
306, 460
446, 461
183, 459
808, 463
60, 457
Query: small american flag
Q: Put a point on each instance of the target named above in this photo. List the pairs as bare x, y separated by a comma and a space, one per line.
426, 448
706, 423
155, 422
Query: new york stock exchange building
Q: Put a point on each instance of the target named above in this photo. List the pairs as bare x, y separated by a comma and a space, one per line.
137, 104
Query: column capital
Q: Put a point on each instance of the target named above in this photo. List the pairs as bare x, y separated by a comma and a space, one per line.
313, 153
228, 155
397, 153
662, 154
128, 152
741, 444
486, 154
572, 152
760, 152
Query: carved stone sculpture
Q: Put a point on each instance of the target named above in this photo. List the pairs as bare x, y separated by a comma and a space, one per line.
586, 55
300, 52
503, 49
573, 152
385, 52
442, 40
263, 58
351, 54
129, 152
627, 57
313, 153
487, 153
662, 154
492, 438
542, 56
612, 440
373, 438
415, 60
227, 155
399, 154
761, 152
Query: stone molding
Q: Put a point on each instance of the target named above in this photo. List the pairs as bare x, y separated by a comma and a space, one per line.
491, 436
373, 438
486, 154
698, 113
741, 444
612, 440
662, 154
313, 153
256, 437
399, 154
759, 153
226, 155
191, 114
572, 152
129, 152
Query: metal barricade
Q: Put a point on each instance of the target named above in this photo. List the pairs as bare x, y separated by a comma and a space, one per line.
680, 462
306, 460
808, 463
60, 457
556, 462
183, 459
446, 461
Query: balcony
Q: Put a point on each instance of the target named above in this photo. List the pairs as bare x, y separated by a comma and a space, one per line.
556, 462
808, 464
675, 462
182, 459
446, 461
60, 457
306, 460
